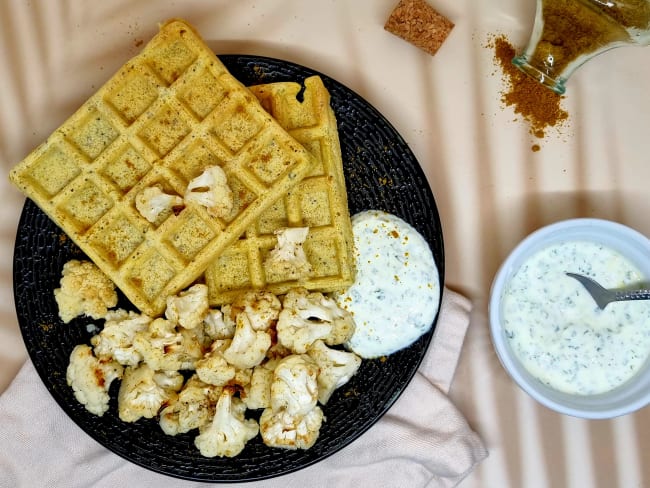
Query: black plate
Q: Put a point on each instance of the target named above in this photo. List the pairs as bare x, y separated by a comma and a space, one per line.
381, 173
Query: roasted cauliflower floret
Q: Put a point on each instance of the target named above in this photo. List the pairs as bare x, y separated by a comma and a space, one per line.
193, 407
115, 341
213, 367
210, 189
248, 347
335, 368
295, 387
218, 324
189, 307
257, 394
84, 290
307, 317
235, 361
229, 431
164, 347
277, 350
261, 307
281, 429
153, 203
288, 258
169, 380
144, 392
90, 378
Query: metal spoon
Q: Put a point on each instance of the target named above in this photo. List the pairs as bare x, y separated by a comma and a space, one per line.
603, 296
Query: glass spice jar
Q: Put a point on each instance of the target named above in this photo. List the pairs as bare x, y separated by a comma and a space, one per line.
567, 33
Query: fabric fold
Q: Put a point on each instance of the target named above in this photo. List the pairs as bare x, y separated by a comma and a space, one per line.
422, 441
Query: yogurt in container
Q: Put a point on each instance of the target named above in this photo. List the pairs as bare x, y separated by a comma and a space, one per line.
550, 335
559, 333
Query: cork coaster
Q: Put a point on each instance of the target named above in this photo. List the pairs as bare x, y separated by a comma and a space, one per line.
417, 22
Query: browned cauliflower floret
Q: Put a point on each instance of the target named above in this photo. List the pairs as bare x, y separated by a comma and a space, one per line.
229, 430
242, 379
235, 361
281, 429
294, 387
165, 347
153, 204
287, 258
189, 307
248, 347
144, 392
210, 189
336, 367
115, 341
257, 394
218, 324
213, 367
90, 378
193, 407
261, 307
307, 317
84, 290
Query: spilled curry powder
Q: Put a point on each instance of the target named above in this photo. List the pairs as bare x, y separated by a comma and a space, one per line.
539, 106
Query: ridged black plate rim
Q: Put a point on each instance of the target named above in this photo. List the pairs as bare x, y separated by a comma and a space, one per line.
381, 173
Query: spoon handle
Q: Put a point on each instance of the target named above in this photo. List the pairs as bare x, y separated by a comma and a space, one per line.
633, 295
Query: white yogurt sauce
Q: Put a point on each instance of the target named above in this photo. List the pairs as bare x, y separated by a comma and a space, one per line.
558, 332
395, 297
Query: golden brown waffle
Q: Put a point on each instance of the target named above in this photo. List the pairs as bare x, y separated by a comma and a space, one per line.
169, 113
318, 202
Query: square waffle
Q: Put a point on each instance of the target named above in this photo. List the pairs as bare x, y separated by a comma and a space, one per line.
164, 117
319, 202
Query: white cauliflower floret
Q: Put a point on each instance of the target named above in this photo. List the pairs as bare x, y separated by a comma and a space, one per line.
307, 317
193, 344
169, 380
288, 258
189, 307
153, 203
213, 367
90, 378
210, 189
342, 322
295, 387
281, 429
193, 408
165, 348
335, 368
242, 379
257, 394
261, 307
229, 430
248, 347
143, 392
115, 341
218, 324
199, 336
84, 290
277, 350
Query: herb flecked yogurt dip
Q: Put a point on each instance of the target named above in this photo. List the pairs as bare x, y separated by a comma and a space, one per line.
396, 293
557, 331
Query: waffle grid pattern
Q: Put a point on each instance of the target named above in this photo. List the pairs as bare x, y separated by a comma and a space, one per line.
167, 115
319, 202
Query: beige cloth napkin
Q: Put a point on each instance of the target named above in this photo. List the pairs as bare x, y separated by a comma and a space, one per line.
423, 440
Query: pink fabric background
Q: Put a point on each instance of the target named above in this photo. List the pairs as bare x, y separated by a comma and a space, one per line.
491, 189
